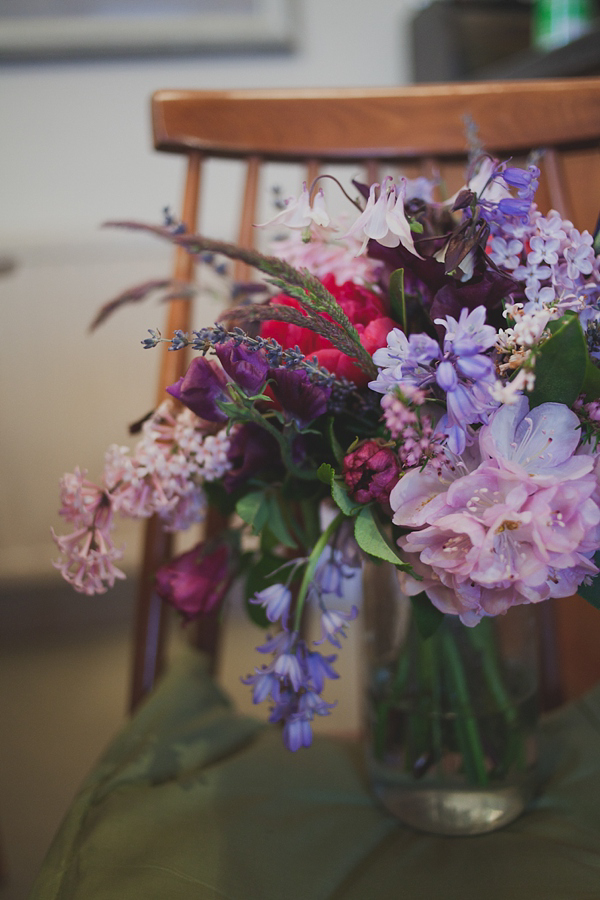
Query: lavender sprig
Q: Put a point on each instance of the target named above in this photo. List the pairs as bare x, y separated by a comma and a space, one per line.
304, 287
344, 393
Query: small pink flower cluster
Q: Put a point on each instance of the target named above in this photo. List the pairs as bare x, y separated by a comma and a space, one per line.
412, 428
89, 554
520, 527
163, 476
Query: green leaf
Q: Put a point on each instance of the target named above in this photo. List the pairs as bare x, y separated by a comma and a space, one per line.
397, 297
591, 592
427, 616
339, 494
591, 382
561, 363
371, 538
326, 473
253, 508
276, 523
343, 500
337, 448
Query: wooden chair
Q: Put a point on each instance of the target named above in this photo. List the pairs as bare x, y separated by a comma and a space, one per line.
423, 129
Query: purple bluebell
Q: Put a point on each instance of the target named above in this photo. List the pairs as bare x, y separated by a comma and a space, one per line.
333, 624
265, 684
275, 600
318, 668
297, 732
293, 681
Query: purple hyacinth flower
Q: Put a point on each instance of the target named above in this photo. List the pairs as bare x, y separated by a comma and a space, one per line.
202, 386
248, 368
300, 398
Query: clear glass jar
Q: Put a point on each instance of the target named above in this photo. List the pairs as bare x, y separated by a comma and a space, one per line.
451, 719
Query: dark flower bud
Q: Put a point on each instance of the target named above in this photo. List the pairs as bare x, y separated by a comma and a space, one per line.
248, 368
464, 200
201, 387
370, 472
195, 582
300, 398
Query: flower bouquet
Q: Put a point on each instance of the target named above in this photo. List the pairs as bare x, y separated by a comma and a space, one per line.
418, 388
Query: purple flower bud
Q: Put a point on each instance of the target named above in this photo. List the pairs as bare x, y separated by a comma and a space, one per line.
251, 450
200, 388
248, 368
446, 376
195, 582
510, 206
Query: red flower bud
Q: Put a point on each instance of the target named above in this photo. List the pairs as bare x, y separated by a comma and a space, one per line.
370, 472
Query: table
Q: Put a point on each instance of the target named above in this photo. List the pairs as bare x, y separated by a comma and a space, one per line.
194, 801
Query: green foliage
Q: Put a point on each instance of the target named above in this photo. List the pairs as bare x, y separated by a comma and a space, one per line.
397, 298
339, 493
427, 616
371, 538
561, 363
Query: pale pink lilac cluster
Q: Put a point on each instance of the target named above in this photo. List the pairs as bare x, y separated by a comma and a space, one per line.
163, 475
520, 527
89, 555
411, 427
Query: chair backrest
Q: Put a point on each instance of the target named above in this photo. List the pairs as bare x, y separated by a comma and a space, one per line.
423, 128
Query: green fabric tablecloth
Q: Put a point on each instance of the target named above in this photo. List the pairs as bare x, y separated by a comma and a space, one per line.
195, 802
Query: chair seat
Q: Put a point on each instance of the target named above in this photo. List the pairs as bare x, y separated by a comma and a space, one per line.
195, 802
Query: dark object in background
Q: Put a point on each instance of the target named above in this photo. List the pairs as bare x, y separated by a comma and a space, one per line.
467, 40
451, 41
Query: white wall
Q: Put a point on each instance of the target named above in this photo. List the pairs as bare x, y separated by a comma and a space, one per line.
75, 151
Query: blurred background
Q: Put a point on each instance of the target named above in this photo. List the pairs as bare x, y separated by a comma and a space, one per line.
76, 151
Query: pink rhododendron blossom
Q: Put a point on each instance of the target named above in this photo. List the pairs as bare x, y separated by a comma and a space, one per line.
519, 528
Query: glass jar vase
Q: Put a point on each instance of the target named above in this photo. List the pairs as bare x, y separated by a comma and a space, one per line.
450, 718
